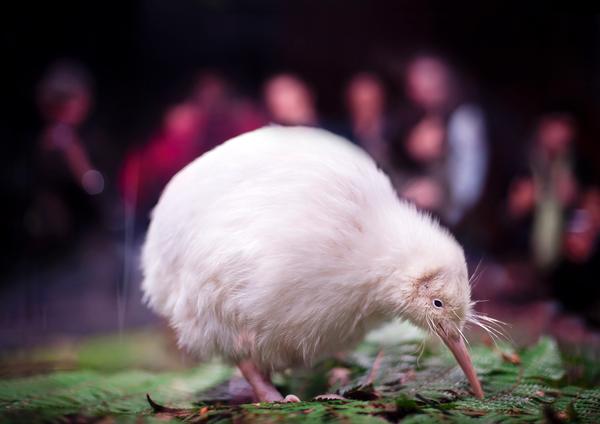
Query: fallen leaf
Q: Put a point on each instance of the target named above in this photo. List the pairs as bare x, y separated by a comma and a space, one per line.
329, 396
362, 392
166, 412
511, 358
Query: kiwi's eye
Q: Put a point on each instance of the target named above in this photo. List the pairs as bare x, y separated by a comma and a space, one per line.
438, 303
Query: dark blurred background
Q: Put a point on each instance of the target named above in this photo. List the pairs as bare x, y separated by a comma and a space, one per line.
484, 117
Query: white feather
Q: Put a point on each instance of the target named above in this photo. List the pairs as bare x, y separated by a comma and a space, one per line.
284, 245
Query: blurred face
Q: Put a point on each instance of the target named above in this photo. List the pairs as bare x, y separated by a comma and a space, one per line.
211, 91
425, 143
428, 83
288, 101
73, 110
365, 96
521, 197
555, 135
579, 238
182, 121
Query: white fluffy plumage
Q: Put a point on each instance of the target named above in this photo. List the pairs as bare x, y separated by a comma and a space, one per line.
284, 245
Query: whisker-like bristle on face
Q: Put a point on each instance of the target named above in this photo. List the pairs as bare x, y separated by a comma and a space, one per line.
429, 324
474, 280
495, 324
490, 334
462, 335
474, 315
421, 351
491, 326
493, 320
432, 328
455, 314
500, 327
497, 335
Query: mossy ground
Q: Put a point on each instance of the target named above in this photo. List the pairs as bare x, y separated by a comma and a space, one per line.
106, 380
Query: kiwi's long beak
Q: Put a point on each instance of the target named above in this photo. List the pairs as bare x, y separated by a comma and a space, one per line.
457, 346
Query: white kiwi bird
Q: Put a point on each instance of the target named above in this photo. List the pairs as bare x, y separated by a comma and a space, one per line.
288, 244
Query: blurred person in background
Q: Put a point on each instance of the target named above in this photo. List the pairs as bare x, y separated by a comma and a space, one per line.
550, 238
539, 198
556, 186
289, 101
148, 169
225, 112
441, 147
211, 114
67, 181
365, 100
